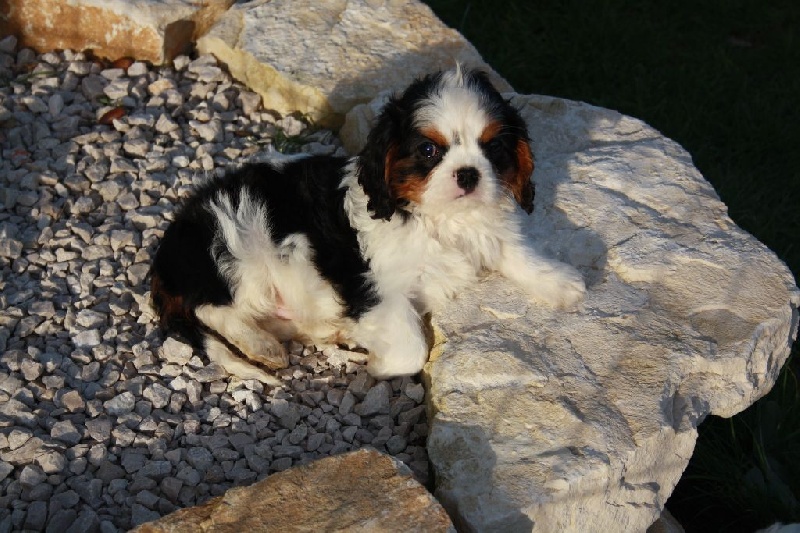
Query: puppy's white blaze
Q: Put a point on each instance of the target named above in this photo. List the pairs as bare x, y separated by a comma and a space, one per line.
456, 113
454, 77
454, 110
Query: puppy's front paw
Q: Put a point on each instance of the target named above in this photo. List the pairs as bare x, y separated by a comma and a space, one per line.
393, 334
233, 364
560, 287
402, 357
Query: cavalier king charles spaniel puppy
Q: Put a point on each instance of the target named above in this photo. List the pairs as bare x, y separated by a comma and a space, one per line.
326, 249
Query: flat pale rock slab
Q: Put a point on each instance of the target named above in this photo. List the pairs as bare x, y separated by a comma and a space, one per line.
585, 421
149, 30
358, 491
322, 58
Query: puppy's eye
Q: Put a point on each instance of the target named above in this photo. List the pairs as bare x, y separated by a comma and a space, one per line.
495, 145
428, 150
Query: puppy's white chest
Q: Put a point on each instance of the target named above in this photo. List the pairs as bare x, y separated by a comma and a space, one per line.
446, 271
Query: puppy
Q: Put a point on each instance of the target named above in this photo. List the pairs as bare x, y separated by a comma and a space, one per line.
330, 250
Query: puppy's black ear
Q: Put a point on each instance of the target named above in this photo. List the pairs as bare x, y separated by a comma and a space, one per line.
520, 181
376, 159
521, 185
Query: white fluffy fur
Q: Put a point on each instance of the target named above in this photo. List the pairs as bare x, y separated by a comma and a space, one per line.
420, 263
417, 262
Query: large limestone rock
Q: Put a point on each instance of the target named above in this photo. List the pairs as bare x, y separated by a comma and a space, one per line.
150, 30
585, 421
322, 58
359, 491
318, 59
359, 121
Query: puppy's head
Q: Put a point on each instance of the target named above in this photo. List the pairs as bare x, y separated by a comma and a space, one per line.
450, 141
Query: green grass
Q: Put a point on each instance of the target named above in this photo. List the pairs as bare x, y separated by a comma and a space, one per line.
722, 78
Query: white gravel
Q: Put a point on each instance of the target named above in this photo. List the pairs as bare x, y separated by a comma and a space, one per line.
104, 423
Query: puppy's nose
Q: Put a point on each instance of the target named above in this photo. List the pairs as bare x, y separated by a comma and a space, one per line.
467, 178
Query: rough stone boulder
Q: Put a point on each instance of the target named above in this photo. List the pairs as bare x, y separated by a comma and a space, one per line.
322, 58
318, 59
585, 421
359, 491
150, 30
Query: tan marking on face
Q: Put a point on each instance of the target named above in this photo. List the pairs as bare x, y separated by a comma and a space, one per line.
412, 187
435, 135
491, 131
389, 162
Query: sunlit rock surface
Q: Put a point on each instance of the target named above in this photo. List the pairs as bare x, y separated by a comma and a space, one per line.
585, 421
148, 30
322, 58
